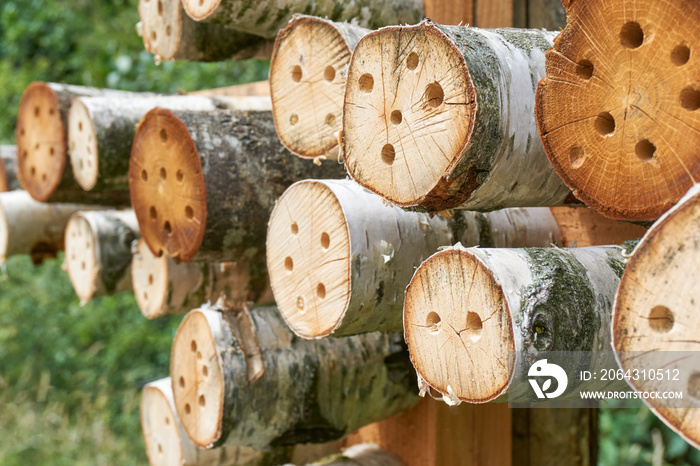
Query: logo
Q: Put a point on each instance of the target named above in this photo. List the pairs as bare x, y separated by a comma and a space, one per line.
542, 369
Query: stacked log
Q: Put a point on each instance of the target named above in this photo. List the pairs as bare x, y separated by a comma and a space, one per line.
254, 89
364, 454
169, 34
8, 169
340, 258
307, 82
164, 287
244, 379
266, 17
655, 318
445, 118
619, 105
98, 252
203, 196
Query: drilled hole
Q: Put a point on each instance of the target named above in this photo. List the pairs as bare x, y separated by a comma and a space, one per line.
43, 177
80, 163
388, 154
153, 35
631, 35
680, 55
25, 154
605, 124
474, 326
396, 117
644, 150
36, 146
288, 263
325, 240
295, 228
300, 303
168, 30
32, 170
434, 94
150, 279
52, 151
82, 265
199, 355
163, 135
153, 213
168, 229
296, 74
412, 61
189, 213
21, 132
179, 175
690, 99
182, 382
321, 291
188, 408
293, 119
193, 346
202, 401
205, 371
433, 322
329, 74
36, 111
167, 421
160, 8
661, 319
160, 448
366, 83
145, 296
576, 157
163, 173
694, 385
80, 126
584, 69
144, 175
51, 111
330, 120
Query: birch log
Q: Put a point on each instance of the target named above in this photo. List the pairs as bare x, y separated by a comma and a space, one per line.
8, 169
245, 379
340, 258
169, 34
98, 252
42, 133
445, 118
656, 313
266, 17
101, 132
619, 104
363, 454
167, 444
31, 227
308, 69
164, 287
467, 310
203, 183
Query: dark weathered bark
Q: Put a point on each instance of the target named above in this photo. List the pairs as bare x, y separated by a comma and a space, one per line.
266, 17
8, 169
255, 383
203, 183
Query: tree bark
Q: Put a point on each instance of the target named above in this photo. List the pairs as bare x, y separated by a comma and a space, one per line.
8, 169
165, 287
245, 379
101, 133
31, 227
467, 310
444, 119
619, 105
265, 18
42, 134
340, 257
167, 443
655, 320
308, 69
98, 252
203, 183
169, 34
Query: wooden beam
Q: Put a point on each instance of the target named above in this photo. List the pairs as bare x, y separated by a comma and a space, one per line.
451, 12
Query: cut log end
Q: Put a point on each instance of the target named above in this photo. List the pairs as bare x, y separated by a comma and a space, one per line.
160, 431
149, 275
200, 10
447, 348
308, 254
81, 258
82, 145
197, 379
167, 186
41, 148
620, 104
307, 83
162, 27
408, 117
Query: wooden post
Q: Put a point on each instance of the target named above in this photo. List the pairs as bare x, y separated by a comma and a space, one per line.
449, 129
266, 17
203, 183
169, 34
656, 312
243, 378
98, 252
8, 169
618, 108
340, 258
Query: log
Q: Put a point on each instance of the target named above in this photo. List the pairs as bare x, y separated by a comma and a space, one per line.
444, 120
656, 314
254, 89
619, 105
265, 18
203, 183
340, 258
244, 379
583, 226
31, 227
98, 252
169, 34
8, 169
467, 310
167, 443
164, 287
101, 131
42, 133
307, 83
363, 454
